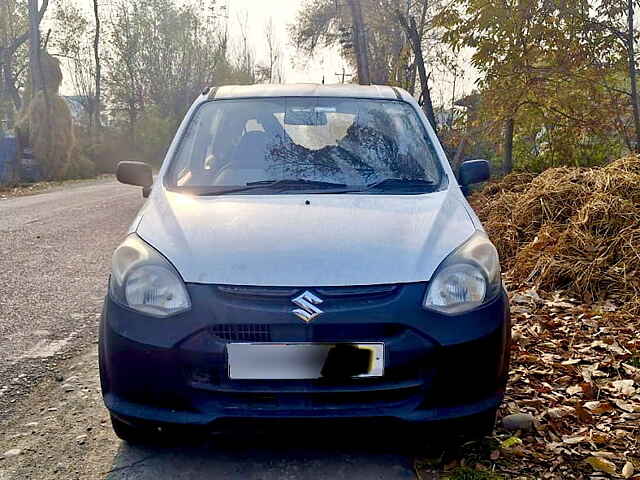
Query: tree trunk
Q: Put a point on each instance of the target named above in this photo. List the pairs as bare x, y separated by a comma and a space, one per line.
633, 74
96, 54
9, 81
10, 51
427, 102
411, 29
132, 124
459, 155
360, 43
423, 21
3, 89
37, 79
507, 161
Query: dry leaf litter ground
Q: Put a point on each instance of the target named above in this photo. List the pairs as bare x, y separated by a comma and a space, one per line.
569, 241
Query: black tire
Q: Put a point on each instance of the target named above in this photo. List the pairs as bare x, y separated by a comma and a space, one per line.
158, 434
130, 433
474, 427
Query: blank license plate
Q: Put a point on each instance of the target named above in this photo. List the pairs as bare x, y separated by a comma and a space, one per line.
304, 361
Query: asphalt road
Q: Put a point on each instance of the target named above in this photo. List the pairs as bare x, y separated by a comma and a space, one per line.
55, 249
54, 264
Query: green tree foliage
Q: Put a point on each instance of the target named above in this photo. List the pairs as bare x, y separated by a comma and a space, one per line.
545, 66
615, 22
159, 57
13, 56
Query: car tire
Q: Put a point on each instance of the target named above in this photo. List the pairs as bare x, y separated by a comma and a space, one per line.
484, 423
474, 427
130, 433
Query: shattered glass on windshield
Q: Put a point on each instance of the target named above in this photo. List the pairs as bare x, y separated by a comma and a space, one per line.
348, 142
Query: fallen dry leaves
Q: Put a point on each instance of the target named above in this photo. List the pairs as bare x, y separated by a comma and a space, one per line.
576, 369
576, 352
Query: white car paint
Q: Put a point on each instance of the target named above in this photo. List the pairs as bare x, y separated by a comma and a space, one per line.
278, 240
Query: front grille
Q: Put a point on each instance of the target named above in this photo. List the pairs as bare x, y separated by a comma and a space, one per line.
366, 291
258, 291
242, 332
330, 292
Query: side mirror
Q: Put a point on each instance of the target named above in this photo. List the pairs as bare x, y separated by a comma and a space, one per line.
135, 173
474, 171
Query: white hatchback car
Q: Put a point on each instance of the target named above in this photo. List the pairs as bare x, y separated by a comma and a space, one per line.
305, 252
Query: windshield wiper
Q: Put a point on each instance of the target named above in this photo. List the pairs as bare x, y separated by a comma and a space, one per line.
295, 183
402, 184
207, 192
270, 185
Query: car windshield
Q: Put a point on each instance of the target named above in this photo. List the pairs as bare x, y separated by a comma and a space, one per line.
278, 145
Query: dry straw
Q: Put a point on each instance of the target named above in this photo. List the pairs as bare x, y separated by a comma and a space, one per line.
46, 125
570, 228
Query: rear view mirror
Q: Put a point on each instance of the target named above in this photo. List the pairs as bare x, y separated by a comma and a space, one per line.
135, 173
474, 171
310, 117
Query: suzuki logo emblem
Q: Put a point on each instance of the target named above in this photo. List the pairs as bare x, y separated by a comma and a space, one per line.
307, 303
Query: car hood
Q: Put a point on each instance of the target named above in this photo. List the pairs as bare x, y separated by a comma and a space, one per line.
305, 240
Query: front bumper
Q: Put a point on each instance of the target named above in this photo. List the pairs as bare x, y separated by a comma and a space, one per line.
175, 370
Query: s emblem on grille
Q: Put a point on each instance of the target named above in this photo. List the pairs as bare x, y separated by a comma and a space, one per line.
307, 302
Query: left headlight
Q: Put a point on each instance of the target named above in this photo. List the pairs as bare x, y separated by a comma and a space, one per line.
466, 279
143, 280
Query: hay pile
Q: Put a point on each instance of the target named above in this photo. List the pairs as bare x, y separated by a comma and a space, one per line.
46, 125
570, 228
51, 73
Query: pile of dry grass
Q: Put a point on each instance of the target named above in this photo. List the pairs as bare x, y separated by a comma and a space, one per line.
45, 124
47, 127
570, 228
51, 76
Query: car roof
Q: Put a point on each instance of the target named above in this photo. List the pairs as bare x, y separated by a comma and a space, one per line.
308, 90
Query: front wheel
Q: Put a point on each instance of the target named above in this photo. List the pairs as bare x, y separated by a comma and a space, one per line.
159, 434
474, 427
132, 434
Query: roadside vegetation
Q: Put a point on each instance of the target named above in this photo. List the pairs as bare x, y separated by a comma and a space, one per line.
527, 84
154, 58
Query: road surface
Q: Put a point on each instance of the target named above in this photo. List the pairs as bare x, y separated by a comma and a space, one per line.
54, 262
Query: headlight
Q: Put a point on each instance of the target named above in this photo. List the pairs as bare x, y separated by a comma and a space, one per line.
143, 280
466, 279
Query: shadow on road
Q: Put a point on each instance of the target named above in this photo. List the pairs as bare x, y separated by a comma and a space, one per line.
343, 452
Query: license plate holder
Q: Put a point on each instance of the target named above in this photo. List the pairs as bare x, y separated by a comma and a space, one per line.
303, 361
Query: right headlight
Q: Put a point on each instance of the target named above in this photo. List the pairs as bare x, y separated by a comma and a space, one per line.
467, 278
143, 280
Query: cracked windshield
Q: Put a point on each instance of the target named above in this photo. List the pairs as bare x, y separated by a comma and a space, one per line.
344, 142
